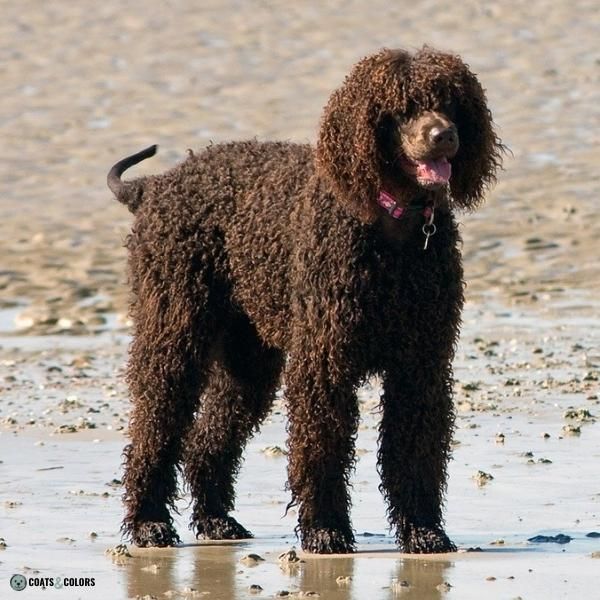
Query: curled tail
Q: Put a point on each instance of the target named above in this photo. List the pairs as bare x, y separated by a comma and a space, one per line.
129, 193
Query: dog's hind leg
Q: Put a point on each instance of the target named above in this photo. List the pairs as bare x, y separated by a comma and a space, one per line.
169, 358
238, 396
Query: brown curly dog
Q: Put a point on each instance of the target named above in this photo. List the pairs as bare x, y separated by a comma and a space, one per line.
329, 264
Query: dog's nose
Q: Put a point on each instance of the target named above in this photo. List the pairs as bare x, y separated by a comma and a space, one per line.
443, 137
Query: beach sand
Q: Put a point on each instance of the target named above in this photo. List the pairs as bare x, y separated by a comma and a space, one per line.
86, 84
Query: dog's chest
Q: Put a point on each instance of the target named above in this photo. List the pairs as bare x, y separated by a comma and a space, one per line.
402, 299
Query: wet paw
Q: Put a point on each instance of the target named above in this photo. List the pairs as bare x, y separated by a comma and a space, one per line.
425, 540
154, 534
327, 541
220, 528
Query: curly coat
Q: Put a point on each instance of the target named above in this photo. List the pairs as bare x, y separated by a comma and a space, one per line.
252, 259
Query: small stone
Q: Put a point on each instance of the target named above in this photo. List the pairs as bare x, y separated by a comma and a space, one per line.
579, 414
120, 551
482, 478
66, 429
273, 451
400, 585
444, 587
255, 588
251, 560
499, 542
472, 386
560, 538
490, 578
190, 591
343, 580
571, 430
289, 557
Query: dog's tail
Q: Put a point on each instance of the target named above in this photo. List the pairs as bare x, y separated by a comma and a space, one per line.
129, 192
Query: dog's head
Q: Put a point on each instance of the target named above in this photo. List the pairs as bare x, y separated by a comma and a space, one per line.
416, 122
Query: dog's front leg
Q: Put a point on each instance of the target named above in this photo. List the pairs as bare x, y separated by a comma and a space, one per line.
415, 435
323, 419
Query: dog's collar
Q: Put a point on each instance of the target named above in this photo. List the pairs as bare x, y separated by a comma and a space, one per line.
396, 211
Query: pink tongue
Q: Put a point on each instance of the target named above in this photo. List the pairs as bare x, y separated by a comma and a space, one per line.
438, 171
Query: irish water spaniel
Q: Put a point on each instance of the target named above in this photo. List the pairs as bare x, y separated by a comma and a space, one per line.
326, 264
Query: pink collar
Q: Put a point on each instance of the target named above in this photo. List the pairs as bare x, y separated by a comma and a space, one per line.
394, 209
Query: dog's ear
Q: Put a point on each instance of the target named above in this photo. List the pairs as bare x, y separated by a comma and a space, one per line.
347, 148
480, 153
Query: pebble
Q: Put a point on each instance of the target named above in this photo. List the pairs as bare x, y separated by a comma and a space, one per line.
274, 451
579, 414
571, 430
289, 557
120, 550
251, 560
560, 538
482, 478
400, 585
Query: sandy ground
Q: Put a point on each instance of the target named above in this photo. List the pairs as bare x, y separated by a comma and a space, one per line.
86, 83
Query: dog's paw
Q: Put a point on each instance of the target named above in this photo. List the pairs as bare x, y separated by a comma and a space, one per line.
425, 540
327, 541
154, 534
220, 528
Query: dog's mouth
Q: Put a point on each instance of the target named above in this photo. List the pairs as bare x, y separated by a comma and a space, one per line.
430, 173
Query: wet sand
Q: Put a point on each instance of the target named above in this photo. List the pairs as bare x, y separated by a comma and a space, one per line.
86, 84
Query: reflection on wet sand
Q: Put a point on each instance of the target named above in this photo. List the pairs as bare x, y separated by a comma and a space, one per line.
424, 579
215, 571
415, 579
209, 569
321, 574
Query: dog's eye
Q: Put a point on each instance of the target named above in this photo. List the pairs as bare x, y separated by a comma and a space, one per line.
449, 108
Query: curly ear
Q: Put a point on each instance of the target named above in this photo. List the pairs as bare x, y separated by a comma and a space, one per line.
480, 153
347, 150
